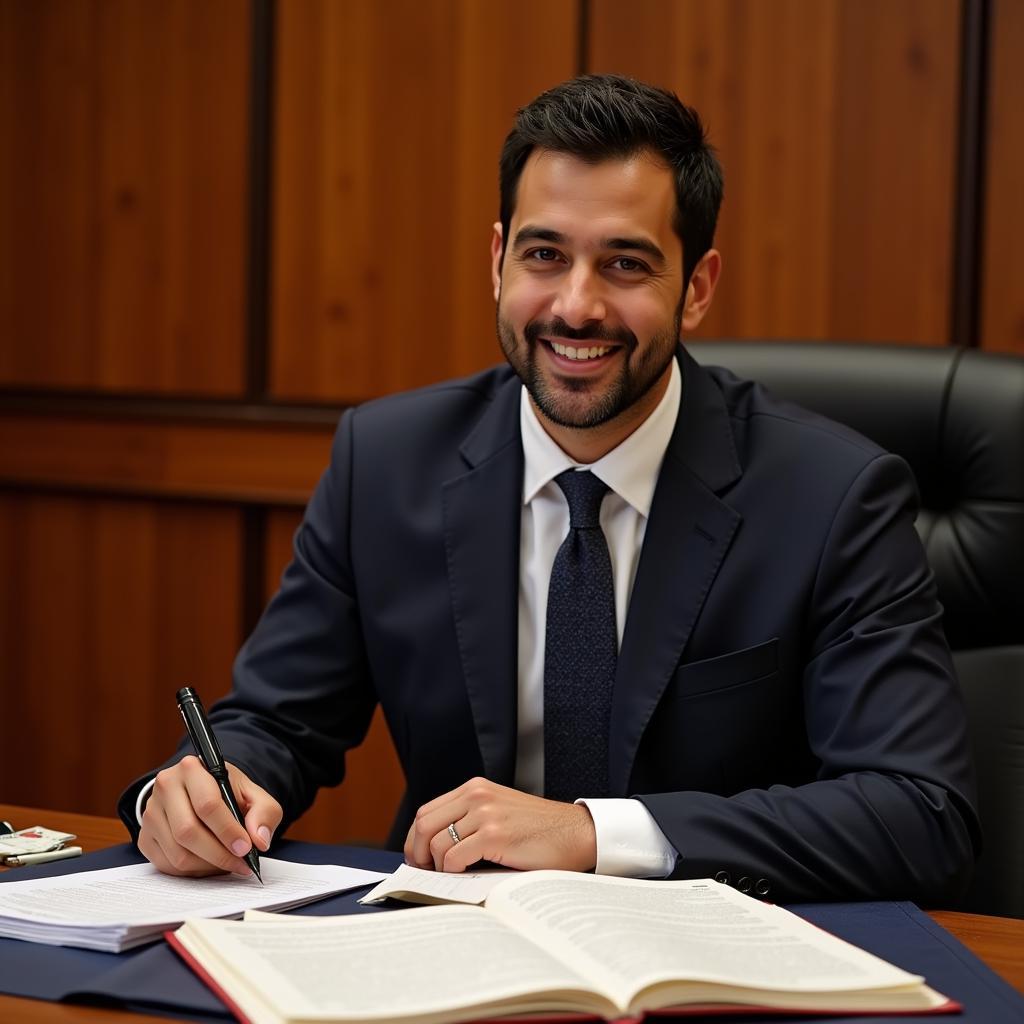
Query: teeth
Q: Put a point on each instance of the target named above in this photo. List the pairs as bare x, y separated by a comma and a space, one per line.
580, 353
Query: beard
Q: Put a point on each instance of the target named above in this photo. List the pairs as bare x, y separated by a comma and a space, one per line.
577, 402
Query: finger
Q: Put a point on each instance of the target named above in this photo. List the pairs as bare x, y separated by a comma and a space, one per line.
438, 813
429, 828
444, 841
158, 846
262, 812
409, 849
198, 820
459, 855
434, 835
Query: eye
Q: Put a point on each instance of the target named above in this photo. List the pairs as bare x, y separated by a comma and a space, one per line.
543, 255
629, 265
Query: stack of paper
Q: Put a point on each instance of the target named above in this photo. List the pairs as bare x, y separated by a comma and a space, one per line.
120, 908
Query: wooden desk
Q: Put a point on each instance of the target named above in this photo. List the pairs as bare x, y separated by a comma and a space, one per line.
999, 941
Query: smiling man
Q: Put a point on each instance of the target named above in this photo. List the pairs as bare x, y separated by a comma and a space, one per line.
622, 613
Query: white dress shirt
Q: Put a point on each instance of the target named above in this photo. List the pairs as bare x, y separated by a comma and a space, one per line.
628, 840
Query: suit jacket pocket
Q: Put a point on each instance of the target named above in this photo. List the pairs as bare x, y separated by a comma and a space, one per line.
723, 725
734, 669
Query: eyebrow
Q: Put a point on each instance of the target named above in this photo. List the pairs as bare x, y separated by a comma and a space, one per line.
535, 233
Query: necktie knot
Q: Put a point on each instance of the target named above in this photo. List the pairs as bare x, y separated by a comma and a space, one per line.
584, 492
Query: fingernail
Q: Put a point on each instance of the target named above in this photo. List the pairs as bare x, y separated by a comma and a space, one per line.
264, 833
240, 847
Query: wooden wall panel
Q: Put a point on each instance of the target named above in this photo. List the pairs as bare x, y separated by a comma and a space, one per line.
835, 121
245, 462
389, 119
1002, 296
123, 194
106, 608
361, 810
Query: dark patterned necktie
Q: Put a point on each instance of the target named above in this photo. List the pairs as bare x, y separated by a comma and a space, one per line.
580, 649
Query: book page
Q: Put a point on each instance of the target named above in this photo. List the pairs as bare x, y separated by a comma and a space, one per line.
631, 934
418, 886
403, 964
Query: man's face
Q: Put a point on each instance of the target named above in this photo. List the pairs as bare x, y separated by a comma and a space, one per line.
590, 292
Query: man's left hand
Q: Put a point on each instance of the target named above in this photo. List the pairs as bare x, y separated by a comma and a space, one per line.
503, 826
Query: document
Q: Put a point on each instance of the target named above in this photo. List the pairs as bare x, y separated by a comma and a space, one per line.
119, 908
546, 942
414, 885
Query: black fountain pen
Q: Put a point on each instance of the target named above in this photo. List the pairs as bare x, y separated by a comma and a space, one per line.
191, 708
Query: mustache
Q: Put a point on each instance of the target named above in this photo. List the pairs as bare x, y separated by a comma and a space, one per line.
558, 328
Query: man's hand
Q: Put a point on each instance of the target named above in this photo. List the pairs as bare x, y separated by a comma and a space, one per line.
187, 828
504, 826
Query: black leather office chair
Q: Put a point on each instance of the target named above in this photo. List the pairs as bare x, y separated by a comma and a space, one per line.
957, 417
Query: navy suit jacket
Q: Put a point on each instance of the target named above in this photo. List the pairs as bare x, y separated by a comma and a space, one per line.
784, 704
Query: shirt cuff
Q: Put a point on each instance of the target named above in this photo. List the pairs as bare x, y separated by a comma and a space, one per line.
629, 842
140, 800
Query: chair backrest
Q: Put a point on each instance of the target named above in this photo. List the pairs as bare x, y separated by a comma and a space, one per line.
957, 417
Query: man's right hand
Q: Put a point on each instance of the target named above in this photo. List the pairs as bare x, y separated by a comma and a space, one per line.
187, 828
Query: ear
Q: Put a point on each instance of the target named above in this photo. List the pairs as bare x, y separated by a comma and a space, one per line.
701, 289
496, 254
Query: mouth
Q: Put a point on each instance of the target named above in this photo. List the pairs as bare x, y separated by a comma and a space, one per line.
577, 356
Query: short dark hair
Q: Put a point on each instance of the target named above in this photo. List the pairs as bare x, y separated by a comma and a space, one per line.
604, 117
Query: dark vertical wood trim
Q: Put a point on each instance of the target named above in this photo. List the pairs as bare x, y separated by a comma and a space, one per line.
583, 38
968, 232
254, 567
261, 115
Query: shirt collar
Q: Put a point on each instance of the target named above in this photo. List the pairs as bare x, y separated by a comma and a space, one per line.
630, 469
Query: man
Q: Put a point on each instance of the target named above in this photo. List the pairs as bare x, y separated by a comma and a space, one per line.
732, 657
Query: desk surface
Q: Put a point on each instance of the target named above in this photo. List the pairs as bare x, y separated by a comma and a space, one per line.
999, 941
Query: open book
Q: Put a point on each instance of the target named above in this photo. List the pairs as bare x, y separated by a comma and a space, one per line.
547, 941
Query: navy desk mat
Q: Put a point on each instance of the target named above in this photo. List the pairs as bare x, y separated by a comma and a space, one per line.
154, 980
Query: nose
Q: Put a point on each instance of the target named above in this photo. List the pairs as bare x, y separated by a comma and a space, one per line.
580, 297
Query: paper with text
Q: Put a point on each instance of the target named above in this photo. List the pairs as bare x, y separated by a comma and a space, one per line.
418, 886
635, 936
118, 908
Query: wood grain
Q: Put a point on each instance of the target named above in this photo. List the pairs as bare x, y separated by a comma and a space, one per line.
106, 608
361, 810
1002, 297
122, 194
389, 122
835, 121
999, 941
222, 461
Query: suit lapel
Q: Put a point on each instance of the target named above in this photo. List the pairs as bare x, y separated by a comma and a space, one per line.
481, 511
688, 534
